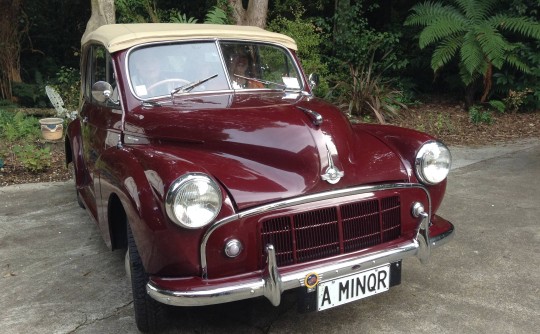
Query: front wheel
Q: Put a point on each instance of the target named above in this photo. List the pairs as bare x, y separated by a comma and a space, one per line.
150, 315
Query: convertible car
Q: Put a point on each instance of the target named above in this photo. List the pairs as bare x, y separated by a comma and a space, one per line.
201, 151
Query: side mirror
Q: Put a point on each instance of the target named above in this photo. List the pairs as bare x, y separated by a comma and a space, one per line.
313, 80
102, 91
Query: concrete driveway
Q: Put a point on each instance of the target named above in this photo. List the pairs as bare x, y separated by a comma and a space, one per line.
57, 276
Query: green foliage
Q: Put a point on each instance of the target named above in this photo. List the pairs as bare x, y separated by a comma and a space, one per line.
33, 158
144, 11
17, 136
68, 84
500, 106
17, 126
508, 82
137, 11
31, 94
309, 41
472, 31
477, 115
361, 56
516, 99
217, 16
177, 17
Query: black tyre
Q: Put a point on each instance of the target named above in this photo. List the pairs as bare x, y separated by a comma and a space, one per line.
150, 315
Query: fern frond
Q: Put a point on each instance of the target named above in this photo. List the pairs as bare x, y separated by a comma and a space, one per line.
445, 52
492, 43
426, 13
521, 25
442, 28
476, 10
472, 56
178, 17
516, 62
467, 77
216, 16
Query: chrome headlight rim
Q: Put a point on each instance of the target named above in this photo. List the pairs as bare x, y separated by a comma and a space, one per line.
420, 160
176, 188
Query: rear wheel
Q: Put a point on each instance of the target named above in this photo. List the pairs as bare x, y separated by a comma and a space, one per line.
150, 315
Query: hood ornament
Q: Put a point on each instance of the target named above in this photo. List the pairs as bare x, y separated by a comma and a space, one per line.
332, 174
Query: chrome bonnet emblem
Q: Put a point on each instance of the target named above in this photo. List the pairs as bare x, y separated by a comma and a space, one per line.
332, 174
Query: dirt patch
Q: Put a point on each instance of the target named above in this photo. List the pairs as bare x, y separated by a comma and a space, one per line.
450, 123
442, 119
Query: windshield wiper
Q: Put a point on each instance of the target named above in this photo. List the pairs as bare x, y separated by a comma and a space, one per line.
188, 87
262, 81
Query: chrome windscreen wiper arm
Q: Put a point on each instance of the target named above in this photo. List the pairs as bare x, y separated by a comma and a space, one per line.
188, 87
261, 81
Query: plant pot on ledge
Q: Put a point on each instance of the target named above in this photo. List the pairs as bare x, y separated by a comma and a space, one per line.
52, 128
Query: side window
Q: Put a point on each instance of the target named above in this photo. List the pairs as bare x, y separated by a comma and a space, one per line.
98, 68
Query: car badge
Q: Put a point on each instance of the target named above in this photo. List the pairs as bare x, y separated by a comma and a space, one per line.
332, 174
311, 280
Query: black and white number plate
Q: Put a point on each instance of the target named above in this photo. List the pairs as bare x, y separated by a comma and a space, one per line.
353, 287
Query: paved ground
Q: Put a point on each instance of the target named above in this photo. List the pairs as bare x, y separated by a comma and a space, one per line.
57, 276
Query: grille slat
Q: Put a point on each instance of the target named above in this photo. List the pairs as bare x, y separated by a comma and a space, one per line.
315, 234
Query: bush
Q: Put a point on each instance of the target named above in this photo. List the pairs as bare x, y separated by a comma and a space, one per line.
309, 40
18, 136
478, 115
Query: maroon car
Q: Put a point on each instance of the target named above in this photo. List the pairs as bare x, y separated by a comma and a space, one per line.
202, 151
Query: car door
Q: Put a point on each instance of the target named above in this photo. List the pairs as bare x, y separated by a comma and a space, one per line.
100, 121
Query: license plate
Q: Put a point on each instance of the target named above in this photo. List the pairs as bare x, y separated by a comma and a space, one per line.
353, 287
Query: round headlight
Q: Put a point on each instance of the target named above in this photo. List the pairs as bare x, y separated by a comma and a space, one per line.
193, 200
433, 162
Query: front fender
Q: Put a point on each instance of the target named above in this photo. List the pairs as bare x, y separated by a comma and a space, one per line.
140, 176
406, 143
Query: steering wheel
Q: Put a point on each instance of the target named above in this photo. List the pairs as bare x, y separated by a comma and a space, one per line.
168, 81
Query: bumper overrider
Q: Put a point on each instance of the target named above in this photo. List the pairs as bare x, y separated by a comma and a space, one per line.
199, 291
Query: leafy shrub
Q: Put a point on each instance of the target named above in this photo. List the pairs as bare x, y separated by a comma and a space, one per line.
516, 99
309, 41
16, 126
478, 115
33, 158
68, 84
498, 105
361, 57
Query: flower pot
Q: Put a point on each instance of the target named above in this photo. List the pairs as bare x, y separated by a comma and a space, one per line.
52, 128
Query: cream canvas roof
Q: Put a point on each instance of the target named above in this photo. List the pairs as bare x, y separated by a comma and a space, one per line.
123, 36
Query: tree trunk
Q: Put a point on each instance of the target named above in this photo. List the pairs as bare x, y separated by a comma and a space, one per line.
103, 12
10, 47
254, 15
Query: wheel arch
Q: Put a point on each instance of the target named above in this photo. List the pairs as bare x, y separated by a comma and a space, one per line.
117, 219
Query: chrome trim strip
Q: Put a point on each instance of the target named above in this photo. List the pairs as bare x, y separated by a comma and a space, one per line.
298, 201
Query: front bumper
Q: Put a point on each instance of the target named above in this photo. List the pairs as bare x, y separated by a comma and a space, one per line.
272, 283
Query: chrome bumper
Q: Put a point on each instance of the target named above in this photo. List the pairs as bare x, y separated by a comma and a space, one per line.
272, 284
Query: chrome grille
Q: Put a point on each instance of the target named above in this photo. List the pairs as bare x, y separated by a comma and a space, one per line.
331, 231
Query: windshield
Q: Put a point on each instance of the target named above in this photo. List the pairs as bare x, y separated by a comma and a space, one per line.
159, 70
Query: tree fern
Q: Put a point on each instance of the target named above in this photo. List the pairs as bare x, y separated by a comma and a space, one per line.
470, 27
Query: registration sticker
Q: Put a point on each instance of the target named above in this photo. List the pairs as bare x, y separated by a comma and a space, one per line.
353, 287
